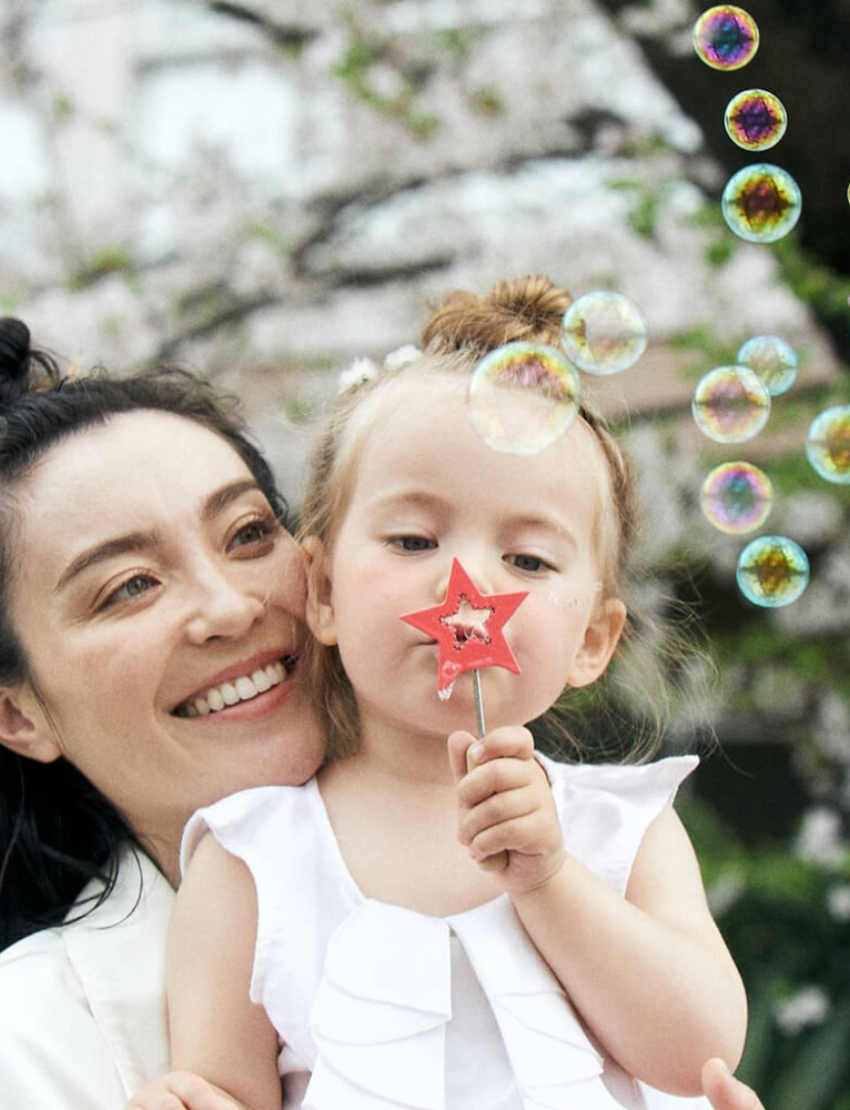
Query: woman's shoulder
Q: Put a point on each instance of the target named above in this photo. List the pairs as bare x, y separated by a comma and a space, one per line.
82, 1003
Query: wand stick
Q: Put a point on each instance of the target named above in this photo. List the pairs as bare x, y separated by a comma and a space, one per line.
499, 861
468, 627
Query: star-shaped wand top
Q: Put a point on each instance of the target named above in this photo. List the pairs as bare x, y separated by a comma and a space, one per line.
468, 627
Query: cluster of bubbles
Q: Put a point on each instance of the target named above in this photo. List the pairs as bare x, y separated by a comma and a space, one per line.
760, 203
523, 396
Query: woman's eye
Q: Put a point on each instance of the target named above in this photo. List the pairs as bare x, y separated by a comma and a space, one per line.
531, 564
254, 532
129, 589
413, 543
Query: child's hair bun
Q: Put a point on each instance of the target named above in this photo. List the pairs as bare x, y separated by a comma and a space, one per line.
17, 361
529, 309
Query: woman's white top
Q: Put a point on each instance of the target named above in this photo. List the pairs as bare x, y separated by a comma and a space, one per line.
388, 1007
82, 1006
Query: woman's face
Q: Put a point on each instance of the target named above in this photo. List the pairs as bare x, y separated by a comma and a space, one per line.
154, 586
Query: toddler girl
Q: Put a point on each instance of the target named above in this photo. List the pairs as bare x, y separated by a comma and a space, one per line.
386, 967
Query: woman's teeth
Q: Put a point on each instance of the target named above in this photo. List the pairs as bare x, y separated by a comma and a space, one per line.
229, 693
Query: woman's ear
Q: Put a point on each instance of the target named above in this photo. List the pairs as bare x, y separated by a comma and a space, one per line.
24, 726
600, 641
320, 613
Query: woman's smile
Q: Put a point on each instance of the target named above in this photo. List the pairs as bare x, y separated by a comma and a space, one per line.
242, 688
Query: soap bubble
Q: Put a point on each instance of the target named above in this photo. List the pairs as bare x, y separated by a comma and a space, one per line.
726, 37
755, 119
604, 333
731, 404
774, 360
736, 497
772, 571
828, 444
761, 203
522, 397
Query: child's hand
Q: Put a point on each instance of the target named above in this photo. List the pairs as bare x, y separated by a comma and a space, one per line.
506, 805
182, 1090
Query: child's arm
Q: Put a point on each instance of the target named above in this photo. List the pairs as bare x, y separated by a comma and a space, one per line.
650, 973
216, 1031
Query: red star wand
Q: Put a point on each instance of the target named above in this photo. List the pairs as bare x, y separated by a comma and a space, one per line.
468, 627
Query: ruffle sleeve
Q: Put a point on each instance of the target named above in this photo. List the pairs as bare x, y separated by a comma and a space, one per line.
606, 809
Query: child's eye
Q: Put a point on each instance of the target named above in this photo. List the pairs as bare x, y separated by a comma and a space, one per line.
413, 543
531, 564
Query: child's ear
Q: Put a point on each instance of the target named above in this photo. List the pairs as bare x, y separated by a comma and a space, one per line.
320, 612
24, 726
600, 641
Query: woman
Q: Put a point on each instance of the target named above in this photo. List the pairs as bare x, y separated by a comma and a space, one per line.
724, 1091
144, 578
143, 566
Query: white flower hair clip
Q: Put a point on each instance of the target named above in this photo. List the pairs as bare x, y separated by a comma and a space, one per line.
361, 370
401, 356
364, 369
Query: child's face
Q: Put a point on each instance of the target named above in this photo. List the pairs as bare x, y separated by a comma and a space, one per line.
428, 490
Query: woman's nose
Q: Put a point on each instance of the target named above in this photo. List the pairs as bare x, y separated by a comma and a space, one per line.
223, 607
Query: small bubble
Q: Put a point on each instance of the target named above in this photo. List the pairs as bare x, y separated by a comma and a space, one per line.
726, 37
772, 571
761, 203
774, 360
736, 497
604, 333
755, 119
522, 397
828, 444
731, 404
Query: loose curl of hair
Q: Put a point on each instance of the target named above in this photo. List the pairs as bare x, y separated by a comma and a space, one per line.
461, 330
57, 831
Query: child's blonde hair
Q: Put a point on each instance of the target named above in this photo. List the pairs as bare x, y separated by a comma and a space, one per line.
462, 329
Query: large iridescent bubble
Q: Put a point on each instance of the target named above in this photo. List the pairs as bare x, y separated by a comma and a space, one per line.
828, 444
731, 404
773, 359
604, 333
761, 203
726, 37
772, 571
755, 119
736, 497
522, 397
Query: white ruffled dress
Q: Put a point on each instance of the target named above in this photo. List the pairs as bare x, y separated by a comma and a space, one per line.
379, 1007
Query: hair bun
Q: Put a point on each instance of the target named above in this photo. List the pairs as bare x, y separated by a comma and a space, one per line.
527, 309
14, 359
18, 360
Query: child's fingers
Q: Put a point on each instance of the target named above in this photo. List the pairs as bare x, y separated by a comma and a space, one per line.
497, 811
498, 776
182, 1090
508, 742
459, 744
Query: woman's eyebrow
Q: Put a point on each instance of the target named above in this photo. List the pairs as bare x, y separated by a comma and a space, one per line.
221, 498
100, 552
138, 541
